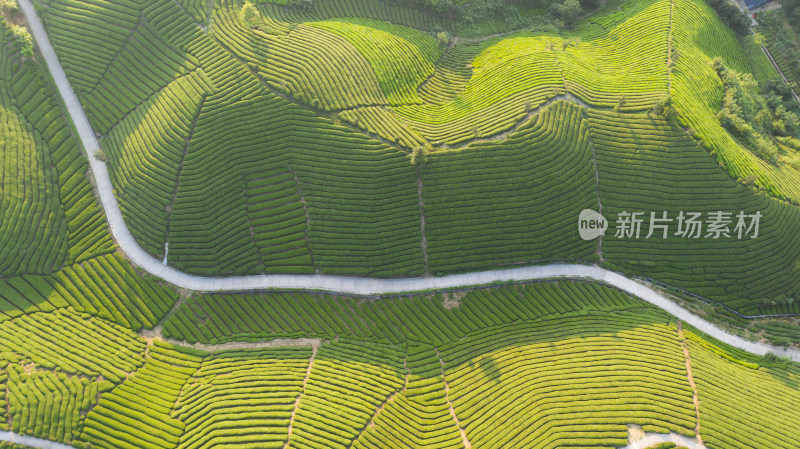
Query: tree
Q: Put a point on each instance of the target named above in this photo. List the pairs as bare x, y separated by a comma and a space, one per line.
443, 37
303, 4
730, 13
567, 11
791, 9
664, 108
621, 103
758, 115
249, 15
419, 155
770, 357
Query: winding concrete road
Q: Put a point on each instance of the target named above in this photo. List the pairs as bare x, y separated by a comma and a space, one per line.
339, 284
12, 437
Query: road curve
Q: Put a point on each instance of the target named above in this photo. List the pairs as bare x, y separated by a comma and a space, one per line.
339, 284
27, 441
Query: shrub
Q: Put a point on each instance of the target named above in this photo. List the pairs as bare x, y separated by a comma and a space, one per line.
419, 155
773, 358
665, 108
9, 5
443, 38
23, 39
101, 155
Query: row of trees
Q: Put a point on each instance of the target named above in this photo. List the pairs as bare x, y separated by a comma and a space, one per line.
730, 13
561, 13
792, 10
757, 115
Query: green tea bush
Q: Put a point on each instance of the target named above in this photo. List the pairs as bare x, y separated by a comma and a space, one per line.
143, 399
724, 386
247, 397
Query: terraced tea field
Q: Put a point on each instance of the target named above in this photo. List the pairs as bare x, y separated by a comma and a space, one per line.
50, 218
246, 148
309, 141
584, 362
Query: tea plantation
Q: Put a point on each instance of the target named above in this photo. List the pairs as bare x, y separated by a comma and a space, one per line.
386, 139
281, 143
583, 362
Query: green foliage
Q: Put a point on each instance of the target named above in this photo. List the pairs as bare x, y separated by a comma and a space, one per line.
780, 38
791, 8
443, 38
419, 155
620, 104
24, 40
50, 216
293, 190
256, 389
483, 17
49, 405
392, 320
488, 189
770, 357
249, 16
74, 343
644, 169
101, 156
567, 11
726, 386
664, 446
105, 286
732, 15
665, 108
9, 5
302, 4
755, 118
780, 332
113, 423
401, 58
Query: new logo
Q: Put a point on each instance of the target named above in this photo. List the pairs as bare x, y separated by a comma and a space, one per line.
591, 224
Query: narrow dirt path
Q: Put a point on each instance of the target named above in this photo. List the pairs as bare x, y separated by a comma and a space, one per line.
597, 192
464, 438
302, 391
379, 409
424, 242
690, 376
670, 47
305, 211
